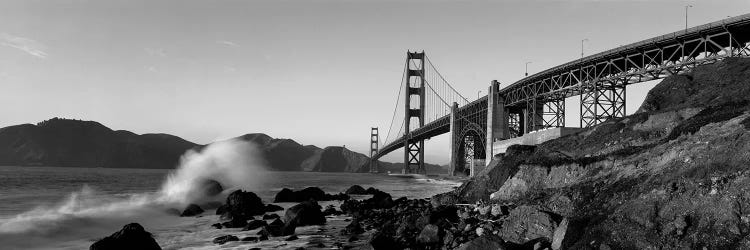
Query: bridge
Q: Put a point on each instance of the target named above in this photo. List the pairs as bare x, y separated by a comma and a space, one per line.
429, 106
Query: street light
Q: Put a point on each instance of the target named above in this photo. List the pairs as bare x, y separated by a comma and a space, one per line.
584, 40
479, 94
527, 68
686, 15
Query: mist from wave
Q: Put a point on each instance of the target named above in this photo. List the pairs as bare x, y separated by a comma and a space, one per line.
89, 212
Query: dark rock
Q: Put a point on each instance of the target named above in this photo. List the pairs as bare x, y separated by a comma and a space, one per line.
271, 216
291, 238
285, 195
356, 189
331, 210
353, 238
486, 242
305, 213
242, 205
222, 210
225, 238
382, 199
277, 228
254, 224
217, 225
382, 241
235, 223
191, 210
309, 193
353, 228
131, 236
446, 213
273, 208
210, 188
276, 231
429, 235
277, 223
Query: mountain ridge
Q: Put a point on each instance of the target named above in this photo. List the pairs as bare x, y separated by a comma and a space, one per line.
77, 143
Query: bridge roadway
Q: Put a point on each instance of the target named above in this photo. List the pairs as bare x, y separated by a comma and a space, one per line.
599, 75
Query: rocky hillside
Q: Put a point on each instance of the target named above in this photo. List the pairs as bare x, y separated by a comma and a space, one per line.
675, 175
74, 143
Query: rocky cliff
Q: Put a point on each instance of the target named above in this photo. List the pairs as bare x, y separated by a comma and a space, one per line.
675, 175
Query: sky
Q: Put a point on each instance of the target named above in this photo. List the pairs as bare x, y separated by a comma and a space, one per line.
319, 72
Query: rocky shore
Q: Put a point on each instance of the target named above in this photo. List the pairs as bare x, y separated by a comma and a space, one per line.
674, 175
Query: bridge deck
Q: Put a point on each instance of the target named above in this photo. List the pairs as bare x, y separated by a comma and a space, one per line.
647, 60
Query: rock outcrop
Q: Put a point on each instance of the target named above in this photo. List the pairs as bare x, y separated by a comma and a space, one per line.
309, 193
305, 213
241, 205
131, 236
672, 176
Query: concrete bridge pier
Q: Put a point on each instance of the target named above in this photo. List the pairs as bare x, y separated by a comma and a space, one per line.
497, 120
453, 146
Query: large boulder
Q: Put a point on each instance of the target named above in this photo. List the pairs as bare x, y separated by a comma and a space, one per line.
273, 208
131, 236
242, 205
255, 224
353, 228
512, 189
309, 193
305, 213
224, 239
278, 228
356, 189
210, 188
285, 195
526, 223
486, 242
430, 235
192, 210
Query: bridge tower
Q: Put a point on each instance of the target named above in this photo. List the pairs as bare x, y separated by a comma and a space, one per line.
374, 140
415, 87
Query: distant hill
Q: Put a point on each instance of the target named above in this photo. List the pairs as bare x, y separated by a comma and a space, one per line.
75, 143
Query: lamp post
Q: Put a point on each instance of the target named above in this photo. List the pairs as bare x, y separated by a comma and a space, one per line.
686, 15
527, 68
584, 40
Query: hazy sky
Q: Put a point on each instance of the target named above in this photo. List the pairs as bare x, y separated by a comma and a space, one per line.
320, 72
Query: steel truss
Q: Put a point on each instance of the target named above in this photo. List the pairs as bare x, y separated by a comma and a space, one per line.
514, 124
600, 79
602, 101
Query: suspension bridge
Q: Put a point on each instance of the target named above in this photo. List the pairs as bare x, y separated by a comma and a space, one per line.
533, 108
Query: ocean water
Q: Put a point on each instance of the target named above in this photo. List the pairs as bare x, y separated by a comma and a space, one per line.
69, 208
